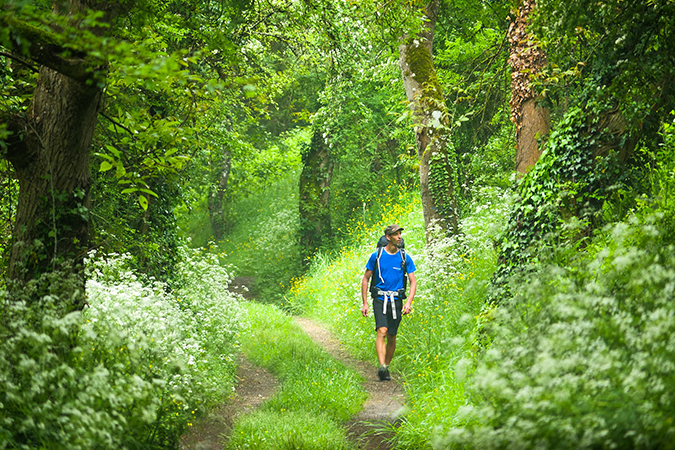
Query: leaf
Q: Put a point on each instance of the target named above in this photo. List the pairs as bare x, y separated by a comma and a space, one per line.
148, 191
143, 201
129, 190
105, 166
114, 151
104, 156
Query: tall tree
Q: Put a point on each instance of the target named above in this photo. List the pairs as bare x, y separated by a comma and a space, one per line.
531, 117
424, 92
50, 143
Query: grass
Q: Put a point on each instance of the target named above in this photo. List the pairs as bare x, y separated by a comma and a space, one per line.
317, 393
292, 430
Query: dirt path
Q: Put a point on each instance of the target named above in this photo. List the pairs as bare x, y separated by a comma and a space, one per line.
255, 385
369, 427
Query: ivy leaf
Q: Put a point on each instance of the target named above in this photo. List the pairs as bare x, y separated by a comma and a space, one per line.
105, 166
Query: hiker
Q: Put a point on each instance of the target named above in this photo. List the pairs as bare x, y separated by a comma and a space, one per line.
392, 269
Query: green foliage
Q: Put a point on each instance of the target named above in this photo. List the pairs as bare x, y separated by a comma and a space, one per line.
582, 357
661, 179
120, 224
10, 190
370, 148
261, 242
569, 185
621, 51
130, 371
471, 51
361, 104
310, 381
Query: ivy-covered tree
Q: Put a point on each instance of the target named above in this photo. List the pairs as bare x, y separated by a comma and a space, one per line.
437, 160
528, 111
609, 80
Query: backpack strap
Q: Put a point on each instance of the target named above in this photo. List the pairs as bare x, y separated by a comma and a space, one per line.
376, 273
404, 269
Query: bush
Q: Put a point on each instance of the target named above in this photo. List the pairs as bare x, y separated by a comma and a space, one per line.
130, 371
583, 357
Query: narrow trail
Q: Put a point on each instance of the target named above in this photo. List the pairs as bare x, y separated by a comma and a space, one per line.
373, 426
370, 429
254, 386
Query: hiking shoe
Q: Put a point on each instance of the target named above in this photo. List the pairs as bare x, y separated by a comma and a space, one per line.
383, 373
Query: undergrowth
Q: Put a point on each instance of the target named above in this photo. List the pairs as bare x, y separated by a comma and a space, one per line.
132, 370
582, 357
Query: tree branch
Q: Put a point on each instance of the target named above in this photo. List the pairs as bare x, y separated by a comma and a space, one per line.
116, 123
20, 60
47, 49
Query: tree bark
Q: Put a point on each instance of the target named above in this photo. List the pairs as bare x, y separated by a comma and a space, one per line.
52, 166
315, 179
424, 93
532, 120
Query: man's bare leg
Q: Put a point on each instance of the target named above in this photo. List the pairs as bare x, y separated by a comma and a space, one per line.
391, 348
381, 346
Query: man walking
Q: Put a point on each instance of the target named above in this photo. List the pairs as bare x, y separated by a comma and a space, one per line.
391, 266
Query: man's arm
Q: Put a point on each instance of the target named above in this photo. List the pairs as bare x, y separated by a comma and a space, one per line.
365, 291
413, 288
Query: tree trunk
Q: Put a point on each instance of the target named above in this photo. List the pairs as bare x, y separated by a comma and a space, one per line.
216, 196
437, 163
531, 119
317, 172
49, 150
52, 165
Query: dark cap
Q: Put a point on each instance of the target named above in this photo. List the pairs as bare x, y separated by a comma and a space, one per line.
391, 229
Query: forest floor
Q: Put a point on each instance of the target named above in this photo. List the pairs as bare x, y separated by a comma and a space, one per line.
370, 429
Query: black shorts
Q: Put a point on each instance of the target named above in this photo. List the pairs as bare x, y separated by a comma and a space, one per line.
387, 321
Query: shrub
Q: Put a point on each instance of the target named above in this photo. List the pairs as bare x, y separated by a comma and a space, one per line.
583, 357
130, 371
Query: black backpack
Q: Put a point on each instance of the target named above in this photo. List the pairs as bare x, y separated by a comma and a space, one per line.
381, 244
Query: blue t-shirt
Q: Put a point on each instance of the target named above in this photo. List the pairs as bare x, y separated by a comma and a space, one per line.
391, 274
